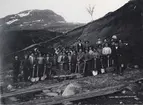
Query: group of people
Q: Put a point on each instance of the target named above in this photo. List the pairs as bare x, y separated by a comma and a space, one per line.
34, 67
81, 58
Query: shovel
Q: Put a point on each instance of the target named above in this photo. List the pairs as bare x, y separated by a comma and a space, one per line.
94, 63
102, 69
108, 61
44, 74
33, 72
70, 67
94, 73
37, 78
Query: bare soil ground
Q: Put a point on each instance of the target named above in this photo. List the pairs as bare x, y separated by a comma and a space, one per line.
28, 93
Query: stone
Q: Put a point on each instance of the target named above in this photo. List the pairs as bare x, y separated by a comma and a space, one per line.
13, 99
51, 94
46, 91
71, 89
9, 87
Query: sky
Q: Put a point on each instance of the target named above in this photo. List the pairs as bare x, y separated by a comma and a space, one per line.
71, 10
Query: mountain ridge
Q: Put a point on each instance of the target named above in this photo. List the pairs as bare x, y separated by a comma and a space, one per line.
36, 19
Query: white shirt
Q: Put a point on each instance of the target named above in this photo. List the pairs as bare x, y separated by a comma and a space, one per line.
59, 58
79, 44
31, 58
91, 52
106, 51
40, 60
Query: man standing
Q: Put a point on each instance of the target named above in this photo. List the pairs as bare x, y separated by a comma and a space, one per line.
86, 46
79, 45
106, 52
26, 68
87, 64
60, 63
97, 61
48, 65
73, 61
65, 61
40, 66
115, 56
32, 60
80, 61
69, 61
122, 57
16, 66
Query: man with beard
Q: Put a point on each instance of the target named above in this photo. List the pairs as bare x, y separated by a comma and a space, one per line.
16, 66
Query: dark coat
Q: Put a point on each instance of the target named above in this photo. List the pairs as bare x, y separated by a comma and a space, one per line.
74, 58
26, 63
16, 65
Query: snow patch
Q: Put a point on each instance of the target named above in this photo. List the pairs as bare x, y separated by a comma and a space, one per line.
61, 21
23, 14
25, 22
37, 21
21, 25
12, 17
11, 21
45, 24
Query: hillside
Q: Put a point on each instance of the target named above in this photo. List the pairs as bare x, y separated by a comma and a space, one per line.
126, 23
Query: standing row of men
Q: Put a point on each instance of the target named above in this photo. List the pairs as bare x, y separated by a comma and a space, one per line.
81, 58
84, 58
34, 66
